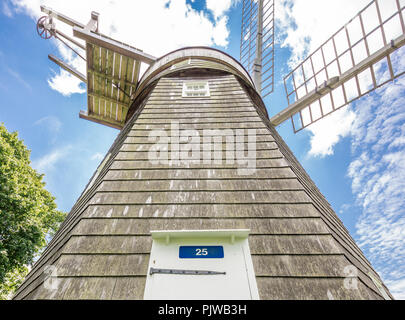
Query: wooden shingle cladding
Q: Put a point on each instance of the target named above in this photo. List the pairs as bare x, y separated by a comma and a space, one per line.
299, 246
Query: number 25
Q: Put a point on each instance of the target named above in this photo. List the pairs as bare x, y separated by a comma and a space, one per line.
201, 252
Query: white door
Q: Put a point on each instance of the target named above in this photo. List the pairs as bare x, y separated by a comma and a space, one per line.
195, 265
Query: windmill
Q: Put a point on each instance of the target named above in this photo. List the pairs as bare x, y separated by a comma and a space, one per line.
175, 227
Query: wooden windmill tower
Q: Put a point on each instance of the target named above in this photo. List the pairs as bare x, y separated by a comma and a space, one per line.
164, 217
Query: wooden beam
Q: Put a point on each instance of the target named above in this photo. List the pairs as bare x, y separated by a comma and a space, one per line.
108, 99
70, 39
113, 45
61, 17
111, 78
101, 120
68, 68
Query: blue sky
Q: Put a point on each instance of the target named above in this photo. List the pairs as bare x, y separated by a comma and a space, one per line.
356, 157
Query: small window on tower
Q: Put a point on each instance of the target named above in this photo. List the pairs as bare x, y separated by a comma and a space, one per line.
193, 89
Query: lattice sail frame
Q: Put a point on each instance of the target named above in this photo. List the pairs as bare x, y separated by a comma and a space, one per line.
112, 67
359, 58
248, 47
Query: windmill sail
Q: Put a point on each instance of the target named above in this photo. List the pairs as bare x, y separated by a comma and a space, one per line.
112, 69
360, 57
257, 43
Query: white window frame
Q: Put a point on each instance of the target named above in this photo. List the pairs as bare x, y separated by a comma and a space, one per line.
196, 89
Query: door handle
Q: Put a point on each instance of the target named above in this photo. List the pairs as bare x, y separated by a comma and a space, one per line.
184, 272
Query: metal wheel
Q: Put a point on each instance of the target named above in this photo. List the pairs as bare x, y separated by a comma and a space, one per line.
43, 32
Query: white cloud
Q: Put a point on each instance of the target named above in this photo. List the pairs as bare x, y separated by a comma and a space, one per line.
47, 163
220, 34
218, 7
399, 141
97, 156
157, 27
7, 10
19, 78
52, 123
326, 133
397, 288
65, 83
305, 25
378, 181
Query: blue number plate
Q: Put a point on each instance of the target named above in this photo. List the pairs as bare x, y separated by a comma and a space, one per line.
197, 252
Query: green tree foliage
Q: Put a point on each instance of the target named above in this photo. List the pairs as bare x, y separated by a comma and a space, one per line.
28, 213
12, 281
